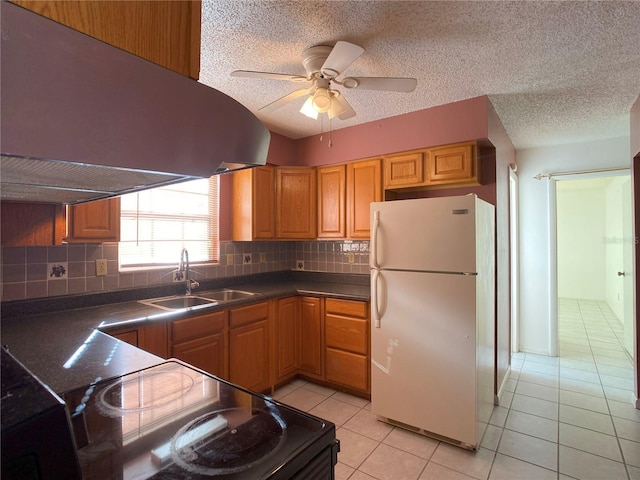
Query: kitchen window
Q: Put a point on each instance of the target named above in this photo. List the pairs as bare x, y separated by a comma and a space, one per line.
156, 224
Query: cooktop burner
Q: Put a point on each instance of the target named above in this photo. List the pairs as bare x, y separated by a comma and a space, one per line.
241, 438
172, 421
135, 394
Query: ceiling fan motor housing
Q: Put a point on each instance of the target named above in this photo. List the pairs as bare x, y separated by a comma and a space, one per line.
314, 57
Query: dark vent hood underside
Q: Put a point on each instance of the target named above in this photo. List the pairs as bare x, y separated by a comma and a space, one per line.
82, 120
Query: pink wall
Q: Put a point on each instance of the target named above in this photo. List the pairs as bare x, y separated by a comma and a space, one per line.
441, 125
505, 155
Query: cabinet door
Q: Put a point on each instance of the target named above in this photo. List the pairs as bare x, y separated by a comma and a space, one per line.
166, 33
249, 356
364, 185
153, 338
127, 336
311, 346
295, 202
403, 170
207, 353
32, 224
287, 334
452, 164
97, 221
254, 204
331, 201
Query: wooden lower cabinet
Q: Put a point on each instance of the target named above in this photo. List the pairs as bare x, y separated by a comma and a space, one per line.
287, 339
311, 328
206, 353
249, 357
346, 368
201, 342
152, 338
347, 338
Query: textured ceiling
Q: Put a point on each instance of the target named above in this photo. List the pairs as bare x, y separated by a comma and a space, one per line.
556, 72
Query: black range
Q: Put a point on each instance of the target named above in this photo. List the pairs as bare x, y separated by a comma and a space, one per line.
172, 421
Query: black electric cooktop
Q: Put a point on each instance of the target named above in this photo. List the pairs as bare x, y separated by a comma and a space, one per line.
172, 421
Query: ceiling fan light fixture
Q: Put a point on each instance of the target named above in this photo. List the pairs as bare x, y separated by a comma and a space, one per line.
321, 100
308, 110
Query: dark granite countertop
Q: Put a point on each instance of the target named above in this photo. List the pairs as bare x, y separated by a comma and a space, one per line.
61, 342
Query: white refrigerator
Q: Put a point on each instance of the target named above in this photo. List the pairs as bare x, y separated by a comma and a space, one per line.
433, 316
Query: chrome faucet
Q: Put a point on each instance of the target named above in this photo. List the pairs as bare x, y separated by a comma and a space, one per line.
183, 266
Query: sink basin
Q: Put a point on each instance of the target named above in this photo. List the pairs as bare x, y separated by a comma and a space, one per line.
226, 295
203, 300
180, 302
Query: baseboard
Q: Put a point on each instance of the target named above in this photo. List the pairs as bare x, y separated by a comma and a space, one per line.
501, 389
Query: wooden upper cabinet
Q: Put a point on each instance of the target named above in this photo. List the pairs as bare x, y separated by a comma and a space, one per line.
254, 204
331, 201
166, 33
452, 164
32, 224
295, 202
405, 169
364, 185
97, 221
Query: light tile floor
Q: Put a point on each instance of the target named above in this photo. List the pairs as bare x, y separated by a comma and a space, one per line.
562, 417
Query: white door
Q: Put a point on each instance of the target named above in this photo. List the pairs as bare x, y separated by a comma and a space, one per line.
627, 273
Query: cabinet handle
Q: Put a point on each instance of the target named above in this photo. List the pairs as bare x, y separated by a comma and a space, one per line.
621, 274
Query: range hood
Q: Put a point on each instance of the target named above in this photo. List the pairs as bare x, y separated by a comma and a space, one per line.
83, 120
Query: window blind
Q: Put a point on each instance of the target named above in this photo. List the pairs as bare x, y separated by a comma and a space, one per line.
156, 224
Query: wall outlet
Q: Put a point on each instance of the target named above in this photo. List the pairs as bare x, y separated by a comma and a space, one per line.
101, 267
229, 258
299, 265
263, 257
246, 258
352, 257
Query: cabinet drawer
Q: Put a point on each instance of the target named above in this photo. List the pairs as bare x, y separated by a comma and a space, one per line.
346, 368
251, 313
346, 333
350, 308
195, 327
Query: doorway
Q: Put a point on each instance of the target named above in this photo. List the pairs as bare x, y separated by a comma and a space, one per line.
594, 246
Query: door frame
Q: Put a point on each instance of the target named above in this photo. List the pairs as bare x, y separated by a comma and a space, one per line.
514, 262
553, 257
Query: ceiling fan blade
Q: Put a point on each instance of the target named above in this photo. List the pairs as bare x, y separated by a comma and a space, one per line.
389, 84
286, 99
342, 55
272, 76
347, 110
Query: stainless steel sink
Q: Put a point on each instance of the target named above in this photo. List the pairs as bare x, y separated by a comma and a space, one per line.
226, 295
202, 300
180, 302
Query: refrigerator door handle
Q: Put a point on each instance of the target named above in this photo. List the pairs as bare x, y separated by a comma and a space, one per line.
374, 239
374, 298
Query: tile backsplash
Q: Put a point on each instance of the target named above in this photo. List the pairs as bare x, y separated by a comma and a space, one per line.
34, 272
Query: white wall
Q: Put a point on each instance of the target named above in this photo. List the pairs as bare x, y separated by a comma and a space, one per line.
534, 224
581, 229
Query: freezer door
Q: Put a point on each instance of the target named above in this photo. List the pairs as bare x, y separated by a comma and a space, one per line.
423, 353
429, 234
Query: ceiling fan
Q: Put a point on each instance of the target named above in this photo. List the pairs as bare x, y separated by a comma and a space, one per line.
323, 65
